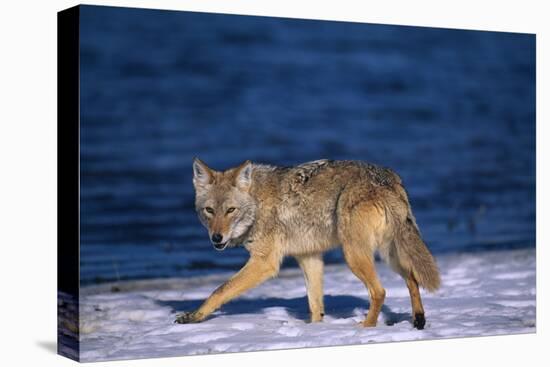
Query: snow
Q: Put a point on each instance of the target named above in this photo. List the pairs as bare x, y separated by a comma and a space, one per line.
487, 293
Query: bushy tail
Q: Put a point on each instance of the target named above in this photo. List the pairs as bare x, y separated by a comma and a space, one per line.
413, 255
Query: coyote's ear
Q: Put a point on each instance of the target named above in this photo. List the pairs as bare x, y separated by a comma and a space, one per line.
202, 174
243, 180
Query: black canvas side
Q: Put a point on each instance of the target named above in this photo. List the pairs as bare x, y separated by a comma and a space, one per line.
68, 240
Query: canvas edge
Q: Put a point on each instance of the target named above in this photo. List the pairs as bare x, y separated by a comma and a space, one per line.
68, 221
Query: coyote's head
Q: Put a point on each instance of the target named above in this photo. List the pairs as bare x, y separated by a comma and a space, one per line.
223, 202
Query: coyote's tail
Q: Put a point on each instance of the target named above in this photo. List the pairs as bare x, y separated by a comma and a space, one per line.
413, 255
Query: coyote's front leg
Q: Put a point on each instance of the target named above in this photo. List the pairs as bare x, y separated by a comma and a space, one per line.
312, 265
257, 270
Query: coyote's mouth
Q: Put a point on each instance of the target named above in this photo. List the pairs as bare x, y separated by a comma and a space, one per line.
220, 246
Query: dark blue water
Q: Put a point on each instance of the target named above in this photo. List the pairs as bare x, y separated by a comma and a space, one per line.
453, 112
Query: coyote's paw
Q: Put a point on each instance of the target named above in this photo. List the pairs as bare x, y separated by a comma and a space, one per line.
419, 321
318, 317
187, 318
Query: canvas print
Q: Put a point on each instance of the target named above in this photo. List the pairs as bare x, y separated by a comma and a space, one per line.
234, 183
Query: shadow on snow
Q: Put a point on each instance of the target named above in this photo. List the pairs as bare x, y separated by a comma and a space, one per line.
335, 306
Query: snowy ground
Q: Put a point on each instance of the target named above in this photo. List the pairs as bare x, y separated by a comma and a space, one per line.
482, 294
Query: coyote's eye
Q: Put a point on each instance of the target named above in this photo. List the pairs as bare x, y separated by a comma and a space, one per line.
209, 210
230, 210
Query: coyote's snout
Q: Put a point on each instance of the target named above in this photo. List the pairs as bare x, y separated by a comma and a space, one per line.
303, 211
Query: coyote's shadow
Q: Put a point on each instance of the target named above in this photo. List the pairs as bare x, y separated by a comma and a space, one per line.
335, 306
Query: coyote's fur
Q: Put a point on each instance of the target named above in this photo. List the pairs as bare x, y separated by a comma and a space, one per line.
303, 211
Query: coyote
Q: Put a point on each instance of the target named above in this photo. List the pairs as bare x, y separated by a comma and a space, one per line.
303, 211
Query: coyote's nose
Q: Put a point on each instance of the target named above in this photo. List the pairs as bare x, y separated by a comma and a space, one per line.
217, 238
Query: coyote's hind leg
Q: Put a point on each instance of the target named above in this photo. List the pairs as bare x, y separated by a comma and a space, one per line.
360, 225
361, 263
363, 267
416, 302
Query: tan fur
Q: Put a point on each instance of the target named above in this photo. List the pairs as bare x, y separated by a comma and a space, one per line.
312, 265
305, 210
